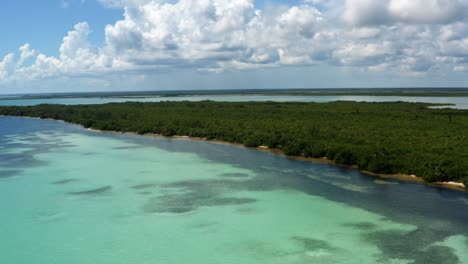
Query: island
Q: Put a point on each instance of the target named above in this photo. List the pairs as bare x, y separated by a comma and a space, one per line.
384, 138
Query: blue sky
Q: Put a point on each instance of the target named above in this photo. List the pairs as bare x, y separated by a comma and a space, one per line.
43, 24
102, 45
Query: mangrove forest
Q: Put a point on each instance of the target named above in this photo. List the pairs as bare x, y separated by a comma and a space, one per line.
388, 138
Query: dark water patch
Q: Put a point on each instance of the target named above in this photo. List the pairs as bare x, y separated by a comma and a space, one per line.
37, 142
399, 202
229, 201
385, 219
204, 225
144, 186
15, 145
59, 132
390, 243
28, 138
66, 181
415, 245
437, 254
67, 145
234, 175
366, 226
190, 201
205, 185
22, 160
145, 193
13, 126
247, 210
269, 181
311, 244
261, 181
88, 153
177, 203
10, 158
9, 174
26, 157
126, 147
156, 205
93, 191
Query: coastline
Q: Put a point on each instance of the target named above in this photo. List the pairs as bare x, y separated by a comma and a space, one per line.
403, 177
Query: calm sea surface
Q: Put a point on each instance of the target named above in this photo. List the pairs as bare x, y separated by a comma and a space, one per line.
457, 102
68, 195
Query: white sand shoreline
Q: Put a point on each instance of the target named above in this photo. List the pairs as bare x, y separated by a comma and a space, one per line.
410, 178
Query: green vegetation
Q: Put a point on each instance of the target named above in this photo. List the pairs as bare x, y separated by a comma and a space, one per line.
406, 138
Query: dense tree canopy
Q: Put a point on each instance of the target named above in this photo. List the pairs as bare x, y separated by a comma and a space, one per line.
407, 138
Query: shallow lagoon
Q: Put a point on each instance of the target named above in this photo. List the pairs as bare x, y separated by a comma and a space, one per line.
68, 195
455, 102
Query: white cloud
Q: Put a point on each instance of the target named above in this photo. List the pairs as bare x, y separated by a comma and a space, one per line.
75, 42
365, 53
6, 65
366, 12
409, 37
427, 11
25, 54
209, 33
375, 12
76, 57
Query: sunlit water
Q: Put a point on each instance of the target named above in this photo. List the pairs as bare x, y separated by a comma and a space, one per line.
68, 195
455, 102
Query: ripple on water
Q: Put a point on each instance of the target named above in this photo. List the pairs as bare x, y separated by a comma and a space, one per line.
96, 191
51, 216
365, 226
144, 186
234, 175
65, 181
4, 174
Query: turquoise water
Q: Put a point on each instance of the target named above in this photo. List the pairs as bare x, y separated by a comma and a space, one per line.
68, 195
457, 102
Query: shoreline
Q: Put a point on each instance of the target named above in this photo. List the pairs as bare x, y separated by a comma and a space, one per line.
403, 177
458, 186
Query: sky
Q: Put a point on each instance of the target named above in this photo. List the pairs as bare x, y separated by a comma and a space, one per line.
129, 45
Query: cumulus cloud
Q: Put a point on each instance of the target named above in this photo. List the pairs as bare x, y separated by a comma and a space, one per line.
25, 54
427, 11
376, 12
410, 37
366, 12
216, 34
6, 65
76, 57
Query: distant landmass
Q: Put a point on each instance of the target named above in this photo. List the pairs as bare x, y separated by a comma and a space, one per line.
311, 92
